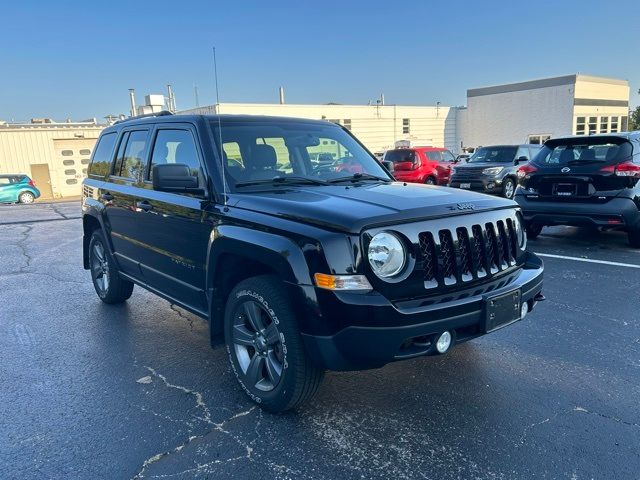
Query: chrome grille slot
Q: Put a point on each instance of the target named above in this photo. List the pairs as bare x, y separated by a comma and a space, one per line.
429, 259
493, 252
447, 257
505, 242
466, 260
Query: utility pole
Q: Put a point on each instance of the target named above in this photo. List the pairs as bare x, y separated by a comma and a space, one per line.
195, 91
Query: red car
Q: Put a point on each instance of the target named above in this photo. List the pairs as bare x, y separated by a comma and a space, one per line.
430, 165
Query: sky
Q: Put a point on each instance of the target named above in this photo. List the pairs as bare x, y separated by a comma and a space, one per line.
71, 59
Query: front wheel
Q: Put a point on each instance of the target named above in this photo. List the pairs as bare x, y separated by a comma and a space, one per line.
533, 230
430, 181
508, 188
109, 286
26, 197
265, 348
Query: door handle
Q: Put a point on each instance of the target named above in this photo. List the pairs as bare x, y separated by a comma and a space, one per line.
106, 196
144, 205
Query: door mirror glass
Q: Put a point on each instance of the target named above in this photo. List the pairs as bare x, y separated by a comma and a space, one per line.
521, 159
175, 177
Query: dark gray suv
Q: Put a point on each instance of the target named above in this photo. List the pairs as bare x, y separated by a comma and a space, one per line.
493, 169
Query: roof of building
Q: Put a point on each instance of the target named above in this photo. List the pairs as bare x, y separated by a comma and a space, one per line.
542, 83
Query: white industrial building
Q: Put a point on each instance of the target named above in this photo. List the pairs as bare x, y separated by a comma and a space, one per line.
55, 155
533, 111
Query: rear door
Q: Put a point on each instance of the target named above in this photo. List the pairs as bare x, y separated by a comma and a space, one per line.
582, 169
174, 227
7, 193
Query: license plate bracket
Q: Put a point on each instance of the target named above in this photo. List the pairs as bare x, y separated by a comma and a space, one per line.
565, 189
502, 310
465, 185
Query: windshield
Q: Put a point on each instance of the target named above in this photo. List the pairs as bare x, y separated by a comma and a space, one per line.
258, 151
494, 154
575, 151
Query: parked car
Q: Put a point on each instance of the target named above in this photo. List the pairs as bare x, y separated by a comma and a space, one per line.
584, 181
493, 169
430, 165
17, 188
298, 270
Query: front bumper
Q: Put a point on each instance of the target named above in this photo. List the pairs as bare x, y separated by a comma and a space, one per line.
382, 332
479, 184
617, 212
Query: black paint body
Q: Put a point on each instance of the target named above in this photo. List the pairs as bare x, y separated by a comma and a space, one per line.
192, 251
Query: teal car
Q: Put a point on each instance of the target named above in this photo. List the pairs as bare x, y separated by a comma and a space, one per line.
17, 189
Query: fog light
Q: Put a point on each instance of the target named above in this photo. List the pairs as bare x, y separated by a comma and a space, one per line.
444, 342
524, 310
490, 185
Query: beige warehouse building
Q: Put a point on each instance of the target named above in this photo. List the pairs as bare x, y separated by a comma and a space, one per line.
54, 155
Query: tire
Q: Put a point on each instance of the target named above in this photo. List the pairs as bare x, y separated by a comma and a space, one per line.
508, 188
533, 230
109, 286
634, 238
265, 347
26, 197
430, 181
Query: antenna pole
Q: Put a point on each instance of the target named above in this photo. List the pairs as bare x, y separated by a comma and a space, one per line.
222, 169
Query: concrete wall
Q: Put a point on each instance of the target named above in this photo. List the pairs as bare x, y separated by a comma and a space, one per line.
65, 149
376, 127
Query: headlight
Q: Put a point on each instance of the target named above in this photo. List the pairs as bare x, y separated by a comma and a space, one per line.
521, 235
386, 254
492, 170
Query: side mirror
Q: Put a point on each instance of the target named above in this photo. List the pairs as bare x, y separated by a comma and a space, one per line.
520, 160
176, 178
389, 165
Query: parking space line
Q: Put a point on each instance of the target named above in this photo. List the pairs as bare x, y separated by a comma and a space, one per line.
589, 260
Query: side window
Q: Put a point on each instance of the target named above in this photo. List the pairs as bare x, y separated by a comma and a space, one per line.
5, 181
433, 155
131, 154
175, 146
102, 155
523, 152
447, 156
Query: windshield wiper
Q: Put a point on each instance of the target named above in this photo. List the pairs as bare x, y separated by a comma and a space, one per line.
279, 180
356, 177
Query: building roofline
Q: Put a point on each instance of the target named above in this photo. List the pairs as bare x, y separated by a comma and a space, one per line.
542, 83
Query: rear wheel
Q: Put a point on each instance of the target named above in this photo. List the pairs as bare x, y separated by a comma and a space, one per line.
109, 286
508, 188
430, 181
26, 197
265, 348
634, 238
533, 230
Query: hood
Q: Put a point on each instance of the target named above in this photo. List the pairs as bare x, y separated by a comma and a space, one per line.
356, 207
482, 165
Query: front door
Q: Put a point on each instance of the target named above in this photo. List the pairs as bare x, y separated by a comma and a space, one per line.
174, 227
41, 177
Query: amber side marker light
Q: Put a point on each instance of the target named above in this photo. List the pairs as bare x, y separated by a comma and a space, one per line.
342, 282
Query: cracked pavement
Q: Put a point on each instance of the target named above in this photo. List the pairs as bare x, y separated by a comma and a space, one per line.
135, 391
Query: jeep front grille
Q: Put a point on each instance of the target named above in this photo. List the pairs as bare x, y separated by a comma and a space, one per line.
466, 253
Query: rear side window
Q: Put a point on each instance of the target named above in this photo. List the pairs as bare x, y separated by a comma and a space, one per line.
175, 146
102, 156
434, 155
5, 181
130, 157
447, 156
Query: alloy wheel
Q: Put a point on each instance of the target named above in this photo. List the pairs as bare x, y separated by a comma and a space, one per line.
257, 346
509, 189
100, 267
26, 198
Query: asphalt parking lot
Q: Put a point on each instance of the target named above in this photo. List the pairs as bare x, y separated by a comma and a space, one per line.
135, 391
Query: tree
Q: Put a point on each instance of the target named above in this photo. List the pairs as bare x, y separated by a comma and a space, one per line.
634, 119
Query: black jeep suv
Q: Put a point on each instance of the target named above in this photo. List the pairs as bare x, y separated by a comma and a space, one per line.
493, 169
584, 181
299, 267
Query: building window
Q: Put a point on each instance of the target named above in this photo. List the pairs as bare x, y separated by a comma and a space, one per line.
85, 151
580, 124
84, 171
604, 124
84, 161
71, 171
593, 125
614, 124
406, 126
67, 153
68, 163
347, 123
71, 181
335, 120
538, 139
624, 121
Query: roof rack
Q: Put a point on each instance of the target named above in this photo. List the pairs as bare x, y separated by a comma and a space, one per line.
154, 114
